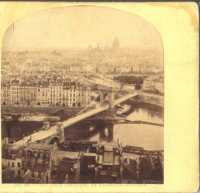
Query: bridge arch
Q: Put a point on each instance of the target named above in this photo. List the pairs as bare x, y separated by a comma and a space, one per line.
54, 140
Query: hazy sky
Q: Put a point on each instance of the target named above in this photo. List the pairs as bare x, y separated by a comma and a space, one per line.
79, 26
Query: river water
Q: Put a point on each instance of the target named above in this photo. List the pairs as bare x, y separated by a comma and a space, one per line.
149, 135
146, 129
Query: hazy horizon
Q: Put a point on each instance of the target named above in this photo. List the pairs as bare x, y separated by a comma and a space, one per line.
80, 26
72, 48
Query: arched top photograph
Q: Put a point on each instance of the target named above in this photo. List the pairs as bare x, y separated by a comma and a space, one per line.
82, 97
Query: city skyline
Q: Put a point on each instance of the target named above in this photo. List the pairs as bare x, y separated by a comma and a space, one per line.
66, 112
60, 29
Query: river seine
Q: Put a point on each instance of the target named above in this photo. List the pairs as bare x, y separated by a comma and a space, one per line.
144, 129
148, 133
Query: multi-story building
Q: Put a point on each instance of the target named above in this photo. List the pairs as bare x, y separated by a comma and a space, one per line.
5, 95
56, 93
77, 95
65, 95
27, 94
66, 167
43, 94
12, 166
37, 162
46, 93
108, 162
15, 92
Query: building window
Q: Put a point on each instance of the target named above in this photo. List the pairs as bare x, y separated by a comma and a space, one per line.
13, 164
18, 164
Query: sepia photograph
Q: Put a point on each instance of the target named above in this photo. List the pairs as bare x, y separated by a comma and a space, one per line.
82, 98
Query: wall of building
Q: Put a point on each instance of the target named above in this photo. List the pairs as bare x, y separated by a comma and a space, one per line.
45, 95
